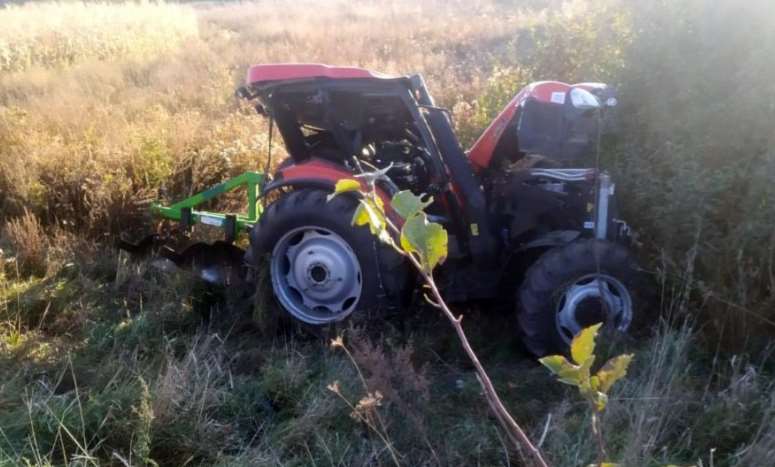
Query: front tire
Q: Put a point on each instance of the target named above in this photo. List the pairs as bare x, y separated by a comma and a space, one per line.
577, 285
322, 268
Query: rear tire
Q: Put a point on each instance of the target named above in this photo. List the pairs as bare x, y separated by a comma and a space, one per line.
574, 286
322, 268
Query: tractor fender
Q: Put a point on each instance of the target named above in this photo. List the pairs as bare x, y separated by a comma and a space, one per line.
317, 173
551, 239
323, 184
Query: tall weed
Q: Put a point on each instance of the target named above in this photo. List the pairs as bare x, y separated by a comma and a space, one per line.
30, 243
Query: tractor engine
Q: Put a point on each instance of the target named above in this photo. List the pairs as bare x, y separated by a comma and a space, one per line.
408, 163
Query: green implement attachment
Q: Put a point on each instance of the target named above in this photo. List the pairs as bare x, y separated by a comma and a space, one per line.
221, 262
232, 224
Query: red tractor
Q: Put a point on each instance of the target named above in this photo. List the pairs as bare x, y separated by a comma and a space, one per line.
523, 227
544, 233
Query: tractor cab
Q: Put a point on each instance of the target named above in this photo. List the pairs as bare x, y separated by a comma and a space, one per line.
339, 115
355, 120
557, 121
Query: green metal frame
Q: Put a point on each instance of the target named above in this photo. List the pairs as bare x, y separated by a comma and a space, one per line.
232, 224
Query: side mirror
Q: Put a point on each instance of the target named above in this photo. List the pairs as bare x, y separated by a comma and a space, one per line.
605, 93
607, 97
583, 99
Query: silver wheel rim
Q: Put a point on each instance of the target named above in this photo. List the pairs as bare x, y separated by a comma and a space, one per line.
316, 275
592, 299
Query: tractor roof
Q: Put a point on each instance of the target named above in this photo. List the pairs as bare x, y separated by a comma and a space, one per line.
264, 74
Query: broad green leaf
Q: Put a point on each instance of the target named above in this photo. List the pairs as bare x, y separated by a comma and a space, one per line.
583, 345
566, 372
427, 240
407, 204
612, 371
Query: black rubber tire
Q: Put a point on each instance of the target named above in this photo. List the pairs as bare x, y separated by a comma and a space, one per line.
384, 272
547, 279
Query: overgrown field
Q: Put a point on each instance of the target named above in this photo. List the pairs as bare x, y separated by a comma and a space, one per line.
104, 107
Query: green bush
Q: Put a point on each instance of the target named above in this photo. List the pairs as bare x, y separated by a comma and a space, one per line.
696, 157
577, 41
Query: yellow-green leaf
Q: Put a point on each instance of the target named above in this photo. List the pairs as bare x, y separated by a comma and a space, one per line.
566, 372
427, 240
586, 390
369, 213
583, 345
612, 371
360, 216
594, 383
343, 186
407, 204
585, 370
600, 400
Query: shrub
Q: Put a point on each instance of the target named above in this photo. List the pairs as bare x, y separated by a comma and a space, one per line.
695, 158
572, 42
29, 242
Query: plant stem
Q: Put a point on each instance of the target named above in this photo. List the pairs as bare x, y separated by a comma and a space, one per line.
514, 432
597, 429
373, 427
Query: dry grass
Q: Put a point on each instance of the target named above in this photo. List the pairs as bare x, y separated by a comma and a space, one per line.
53, 35
30, 243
